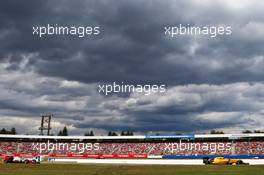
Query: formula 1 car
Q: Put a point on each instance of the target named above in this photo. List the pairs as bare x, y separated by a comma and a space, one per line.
26, 160
222, 161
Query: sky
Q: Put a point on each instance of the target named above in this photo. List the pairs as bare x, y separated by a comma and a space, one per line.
212, 83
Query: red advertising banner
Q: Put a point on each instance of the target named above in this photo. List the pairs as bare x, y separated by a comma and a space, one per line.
80, 156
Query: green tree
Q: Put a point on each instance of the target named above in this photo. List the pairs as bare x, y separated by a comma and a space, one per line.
112, 133
13, 131
3, 131
91, 133
130, 133
246, 131
60, 133
65, 131
216, 132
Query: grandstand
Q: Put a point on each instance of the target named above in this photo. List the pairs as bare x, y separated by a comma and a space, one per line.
139, 147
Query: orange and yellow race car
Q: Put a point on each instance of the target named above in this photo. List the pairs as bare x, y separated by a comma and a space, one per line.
222, 161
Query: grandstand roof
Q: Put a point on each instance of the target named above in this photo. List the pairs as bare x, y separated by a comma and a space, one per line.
255, 135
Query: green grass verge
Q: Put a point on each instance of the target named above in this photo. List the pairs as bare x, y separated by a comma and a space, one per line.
77, 169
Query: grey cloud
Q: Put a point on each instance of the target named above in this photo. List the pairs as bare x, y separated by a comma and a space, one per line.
133, 45
60, 73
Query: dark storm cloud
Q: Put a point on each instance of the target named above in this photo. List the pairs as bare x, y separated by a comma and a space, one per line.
59, 73
132, 46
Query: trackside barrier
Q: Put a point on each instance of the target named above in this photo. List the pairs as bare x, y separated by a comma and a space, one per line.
102, 156
154, 157
131, 161
83, 156
213, 156
147, 161
21, 155
132, 156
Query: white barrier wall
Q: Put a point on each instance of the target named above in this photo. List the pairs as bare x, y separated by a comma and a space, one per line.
149, 161
134, 161
254, 161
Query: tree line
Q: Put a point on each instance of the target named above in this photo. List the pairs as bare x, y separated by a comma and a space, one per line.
11, 131
64, 132
244, 132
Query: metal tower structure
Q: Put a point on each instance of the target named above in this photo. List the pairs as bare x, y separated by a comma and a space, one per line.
45, 123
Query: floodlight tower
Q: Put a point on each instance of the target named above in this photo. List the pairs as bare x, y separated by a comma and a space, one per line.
45, 123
